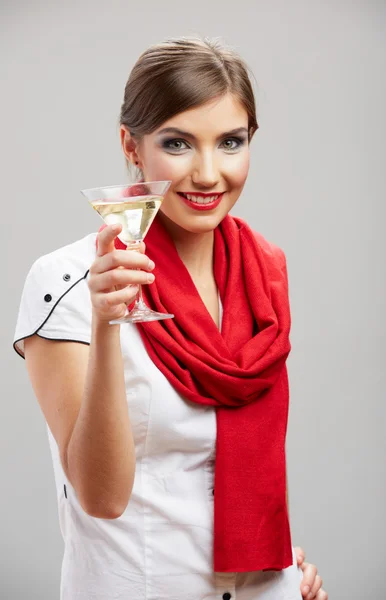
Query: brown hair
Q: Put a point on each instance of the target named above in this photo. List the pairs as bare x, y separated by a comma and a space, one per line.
179, 74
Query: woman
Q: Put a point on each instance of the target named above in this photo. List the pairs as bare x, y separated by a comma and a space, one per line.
137, 414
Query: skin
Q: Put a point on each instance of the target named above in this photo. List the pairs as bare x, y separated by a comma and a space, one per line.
206, 158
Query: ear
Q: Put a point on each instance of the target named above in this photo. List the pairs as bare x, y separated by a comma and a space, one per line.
129, 146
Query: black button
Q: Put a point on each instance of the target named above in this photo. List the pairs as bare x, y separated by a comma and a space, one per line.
48, 297
65, 490
226, 596
213, 492
66, 277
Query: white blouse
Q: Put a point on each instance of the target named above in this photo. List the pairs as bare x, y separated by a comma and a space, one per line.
161, 547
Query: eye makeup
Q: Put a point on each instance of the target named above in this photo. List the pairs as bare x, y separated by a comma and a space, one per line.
180, 146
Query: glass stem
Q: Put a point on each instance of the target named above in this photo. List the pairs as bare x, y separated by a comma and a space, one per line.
139, 303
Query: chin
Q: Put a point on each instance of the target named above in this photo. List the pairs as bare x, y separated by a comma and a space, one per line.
203, 227
195, 224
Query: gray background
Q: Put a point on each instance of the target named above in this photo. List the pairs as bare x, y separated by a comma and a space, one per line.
316, 187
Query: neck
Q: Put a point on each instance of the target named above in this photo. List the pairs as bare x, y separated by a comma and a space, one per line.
194, 249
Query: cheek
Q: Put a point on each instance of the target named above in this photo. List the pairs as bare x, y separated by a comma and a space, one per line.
162, 166
238, 169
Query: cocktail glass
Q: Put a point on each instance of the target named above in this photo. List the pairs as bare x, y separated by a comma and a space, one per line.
133, 206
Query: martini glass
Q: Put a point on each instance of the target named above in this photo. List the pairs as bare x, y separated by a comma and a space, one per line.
133, 206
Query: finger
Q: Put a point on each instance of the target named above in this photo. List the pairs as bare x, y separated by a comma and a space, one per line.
137, 246
141, 247
122, 258
300, 555
106, 237
315, 588
119, 278
322, 595
124, 296
309, 574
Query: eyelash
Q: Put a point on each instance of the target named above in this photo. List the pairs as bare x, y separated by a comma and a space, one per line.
166, 144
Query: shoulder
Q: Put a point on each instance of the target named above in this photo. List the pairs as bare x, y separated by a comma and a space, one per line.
270, 248
76, 257
272, 253
55, 300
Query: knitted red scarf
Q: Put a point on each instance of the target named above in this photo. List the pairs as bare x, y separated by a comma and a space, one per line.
241, 371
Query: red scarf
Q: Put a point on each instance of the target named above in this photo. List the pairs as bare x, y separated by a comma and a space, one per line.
241, 371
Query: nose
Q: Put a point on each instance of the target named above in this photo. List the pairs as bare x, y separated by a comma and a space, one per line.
205, 171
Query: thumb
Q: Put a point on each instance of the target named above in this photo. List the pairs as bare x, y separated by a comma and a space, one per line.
106, 237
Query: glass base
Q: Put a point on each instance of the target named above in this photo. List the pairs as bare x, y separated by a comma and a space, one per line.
141, 315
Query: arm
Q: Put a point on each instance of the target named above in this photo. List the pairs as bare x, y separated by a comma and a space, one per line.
81, 389
82, 395
100, 455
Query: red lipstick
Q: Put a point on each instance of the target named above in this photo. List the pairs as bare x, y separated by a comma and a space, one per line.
198, 206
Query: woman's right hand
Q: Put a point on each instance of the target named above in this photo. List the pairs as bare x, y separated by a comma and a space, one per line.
114, 276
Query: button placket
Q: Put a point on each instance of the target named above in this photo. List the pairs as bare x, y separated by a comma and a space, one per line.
66, 277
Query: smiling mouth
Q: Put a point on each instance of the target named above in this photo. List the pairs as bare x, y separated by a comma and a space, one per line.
201, 198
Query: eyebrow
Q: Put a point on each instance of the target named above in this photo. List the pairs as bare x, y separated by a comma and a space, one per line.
176, 131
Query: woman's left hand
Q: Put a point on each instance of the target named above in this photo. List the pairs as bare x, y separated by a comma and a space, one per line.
311, 585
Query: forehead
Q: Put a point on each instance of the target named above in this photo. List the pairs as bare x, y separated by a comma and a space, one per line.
213, 118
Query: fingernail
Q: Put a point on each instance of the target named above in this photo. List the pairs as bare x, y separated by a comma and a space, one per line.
306, 589
151, 265
310, 595
150, 277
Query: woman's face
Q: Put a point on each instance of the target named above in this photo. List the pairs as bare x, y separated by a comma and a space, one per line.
204, 152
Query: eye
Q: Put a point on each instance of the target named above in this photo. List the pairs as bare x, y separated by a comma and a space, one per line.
234, 143
174, 145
